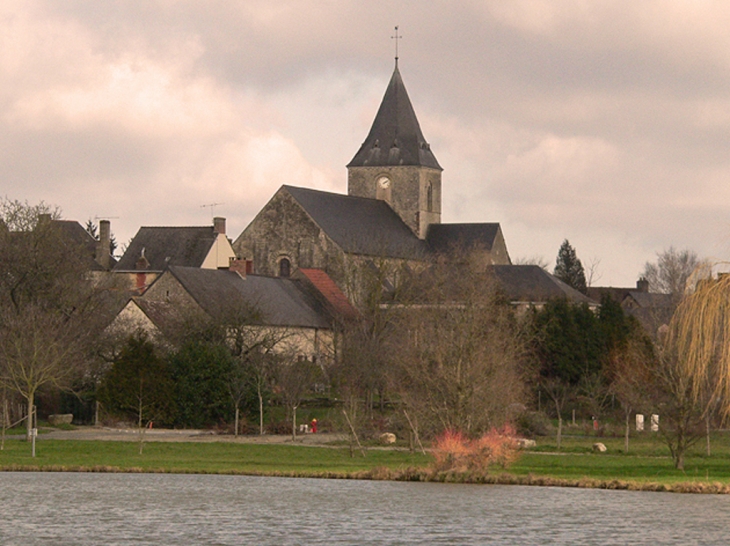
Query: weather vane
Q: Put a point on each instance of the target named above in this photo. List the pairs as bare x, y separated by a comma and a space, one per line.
396, 37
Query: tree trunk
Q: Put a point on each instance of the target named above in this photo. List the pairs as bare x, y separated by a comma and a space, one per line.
626, 433
261, 409
29, 418
294, 423
139, 426
560, 430
707, 431
235, 425
5, 422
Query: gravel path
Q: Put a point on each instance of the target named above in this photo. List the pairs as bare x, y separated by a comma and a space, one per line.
167, 435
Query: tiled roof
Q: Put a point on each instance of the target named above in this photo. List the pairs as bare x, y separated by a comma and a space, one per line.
280, 301
164, 246
332, 294
359, 225
395, 137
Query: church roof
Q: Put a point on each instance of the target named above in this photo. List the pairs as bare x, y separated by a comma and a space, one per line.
281, 301
395, 137
531, 283
163, 246
444, 237
359, 225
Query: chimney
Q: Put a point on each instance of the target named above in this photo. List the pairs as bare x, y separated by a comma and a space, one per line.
219, 225
103, 245
141, 266
642, 285
241, 266
142, 261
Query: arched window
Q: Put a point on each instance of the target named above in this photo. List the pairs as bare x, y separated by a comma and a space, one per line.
429, 197
284, 267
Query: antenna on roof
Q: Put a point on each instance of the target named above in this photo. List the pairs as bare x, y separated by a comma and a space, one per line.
106, 217
396, 37
212, 208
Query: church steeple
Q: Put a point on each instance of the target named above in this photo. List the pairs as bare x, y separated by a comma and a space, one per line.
395, 137
396, 164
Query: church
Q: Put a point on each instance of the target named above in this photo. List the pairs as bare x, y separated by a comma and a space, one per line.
392, 210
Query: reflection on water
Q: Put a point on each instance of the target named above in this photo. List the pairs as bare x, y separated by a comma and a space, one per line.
154, 509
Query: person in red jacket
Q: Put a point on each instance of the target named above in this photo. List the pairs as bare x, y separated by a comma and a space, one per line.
314, 426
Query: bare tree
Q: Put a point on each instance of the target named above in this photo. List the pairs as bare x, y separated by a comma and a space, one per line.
559, 392
461, 352
49, 304
670, 273
630, 375
294, 378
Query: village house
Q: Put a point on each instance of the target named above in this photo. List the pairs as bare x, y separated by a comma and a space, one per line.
154, 249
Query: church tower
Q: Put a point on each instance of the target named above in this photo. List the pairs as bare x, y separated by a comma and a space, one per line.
396, 164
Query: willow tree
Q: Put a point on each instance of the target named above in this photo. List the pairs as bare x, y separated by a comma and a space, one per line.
694, 362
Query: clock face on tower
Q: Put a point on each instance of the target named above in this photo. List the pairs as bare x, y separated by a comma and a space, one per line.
384, 182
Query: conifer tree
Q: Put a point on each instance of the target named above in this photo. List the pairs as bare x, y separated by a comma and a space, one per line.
569, 269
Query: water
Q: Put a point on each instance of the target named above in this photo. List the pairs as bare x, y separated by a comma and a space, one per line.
159, 509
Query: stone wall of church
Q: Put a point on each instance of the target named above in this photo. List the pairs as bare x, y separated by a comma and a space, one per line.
408, 192
283, 230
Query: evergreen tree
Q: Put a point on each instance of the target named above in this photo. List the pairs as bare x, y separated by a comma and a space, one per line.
569, 269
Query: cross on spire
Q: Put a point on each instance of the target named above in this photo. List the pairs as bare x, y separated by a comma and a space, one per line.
396, 37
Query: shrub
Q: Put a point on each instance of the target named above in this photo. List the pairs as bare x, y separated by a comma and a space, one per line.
534, 423
456, 453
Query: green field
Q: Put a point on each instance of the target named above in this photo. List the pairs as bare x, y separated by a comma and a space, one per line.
212, 457
648, 464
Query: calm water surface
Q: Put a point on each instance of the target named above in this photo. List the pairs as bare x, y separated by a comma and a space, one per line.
152, 509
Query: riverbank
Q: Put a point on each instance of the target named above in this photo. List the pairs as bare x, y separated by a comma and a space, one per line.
88, 449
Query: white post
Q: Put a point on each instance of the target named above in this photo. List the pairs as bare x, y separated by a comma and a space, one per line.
654, 422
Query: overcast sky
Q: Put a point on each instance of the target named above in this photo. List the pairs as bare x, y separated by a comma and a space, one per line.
603, 122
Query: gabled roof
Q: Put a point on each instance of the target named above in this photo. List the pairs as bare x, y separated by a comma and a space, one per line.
330, 292
651, 300
448, 237
164, 315
395, 137
77, 235
163, 246
359, 225
531, 283
280, 301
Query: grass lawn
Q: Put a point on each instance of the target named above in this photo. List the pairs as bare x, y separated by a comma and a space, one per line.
213, 457
648, 461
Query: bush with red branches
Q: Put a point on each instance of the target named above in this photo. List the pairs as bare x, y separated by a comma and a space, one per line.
454, 452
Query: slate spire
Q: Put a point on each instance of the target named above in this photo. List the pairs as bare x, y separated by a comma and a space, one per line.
395, 137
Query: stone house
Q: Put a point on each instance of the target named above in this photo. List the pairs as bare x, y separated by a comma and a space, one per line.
652, 310
154, 249
292, 310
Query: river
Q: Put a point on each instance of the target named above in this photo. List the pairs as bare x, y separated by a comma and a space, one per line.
167, 509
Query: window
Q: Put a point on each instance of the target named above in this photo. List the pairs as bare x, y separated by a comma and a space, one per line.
284, 267
429, 197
